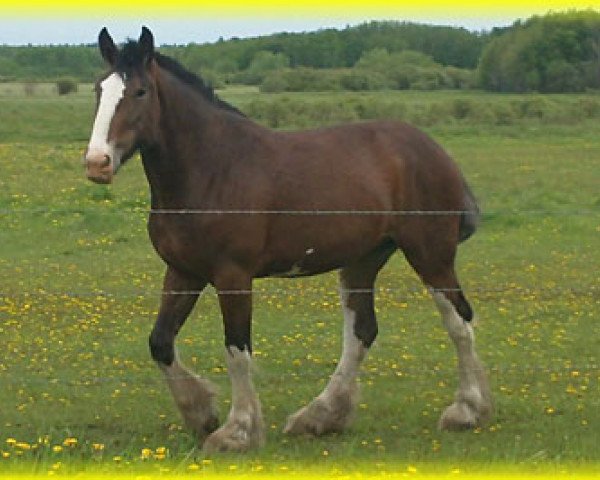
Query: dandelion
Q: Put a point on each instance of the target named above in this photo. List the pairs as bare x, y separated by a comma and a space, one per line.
146, 453
97, 447
411, 469
193, 467
57, 448
11, 441
160, 453
206, 462
70, 442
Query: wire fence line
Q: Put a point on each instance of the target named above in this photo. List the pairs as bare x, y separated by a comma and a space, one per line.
297, 372
310, 212
590, 290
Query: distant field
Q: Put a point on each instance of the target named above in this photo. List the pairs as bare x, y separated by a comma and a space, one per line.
79, 289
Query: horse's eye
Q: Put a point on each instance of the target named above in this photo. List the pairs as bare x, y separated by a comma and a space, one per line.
140, 92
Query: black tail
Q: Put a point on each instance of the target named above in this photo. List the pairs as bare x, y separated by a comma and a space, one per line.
469, 219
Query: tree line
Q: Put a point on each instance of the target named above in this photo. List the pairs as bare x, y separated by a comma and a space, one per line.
558, 52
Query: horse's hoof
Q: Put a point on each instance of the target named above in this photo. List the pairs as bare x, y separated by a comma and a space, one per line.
234, 437
458, 417
319, 418
304, 422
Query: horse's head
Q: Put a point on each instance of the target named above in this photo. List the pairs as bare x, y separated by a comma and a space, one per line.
127, 105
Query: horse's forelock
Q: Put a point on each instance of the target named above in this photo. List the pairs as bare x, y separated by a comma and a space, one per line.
131, 57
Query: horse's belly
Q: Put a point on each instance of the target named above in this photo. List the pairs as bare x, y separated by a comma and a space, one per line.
310, 263
301, 253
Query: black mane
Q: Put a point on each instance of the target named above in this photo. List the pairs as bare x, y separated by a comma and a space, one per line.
193, 80
131, 57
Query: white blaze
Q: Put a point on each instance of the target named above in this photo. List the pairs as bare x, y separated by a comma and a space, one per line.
112, 91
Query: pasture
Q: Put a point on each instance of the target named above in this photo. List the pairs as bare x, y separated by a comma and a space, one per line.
80, 286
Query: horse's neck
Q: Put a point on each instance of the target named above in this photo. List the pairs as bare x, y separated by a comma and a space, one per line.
177, 157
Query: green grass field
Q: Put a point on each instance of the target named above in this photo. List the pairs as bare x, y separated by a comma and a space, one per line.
79, 290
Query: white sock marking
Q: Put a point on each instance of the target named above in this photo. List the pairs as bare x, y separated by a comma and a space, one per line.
353, 353
239, 367
463, 337
112, 93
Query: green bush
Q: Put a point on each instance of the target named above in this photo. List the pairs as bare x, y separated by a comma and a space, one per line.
66, 85
356, 81
301, 79
504, 114
589, 107
532, 107
460, 78
263, 63
557, 52
275, 82
462, 108
212, 78
29, 88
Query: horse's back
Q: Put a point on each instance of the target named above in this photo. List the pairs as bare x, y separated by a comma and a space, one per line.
386, 165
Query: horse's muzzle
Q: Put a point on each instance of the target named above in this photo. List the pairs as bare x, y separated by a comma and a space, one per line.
98, 168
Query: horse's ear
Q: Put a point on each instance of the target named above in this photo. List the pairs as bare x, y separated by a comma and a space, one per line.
146, 43
108, 49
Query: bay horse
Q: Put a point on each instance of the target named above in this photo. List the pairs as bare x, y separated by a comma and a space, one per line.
232, 201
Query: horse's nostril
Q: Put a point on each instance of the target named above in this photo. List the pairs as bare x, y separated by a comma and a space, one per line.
106, 161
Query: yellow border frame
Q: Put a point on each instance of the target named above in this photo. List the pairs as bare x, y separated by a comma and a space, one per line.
281, 8
393, 9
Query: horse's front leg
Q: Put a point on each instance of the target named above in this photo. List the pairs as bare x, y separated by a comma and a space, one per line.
193, 395
244, 427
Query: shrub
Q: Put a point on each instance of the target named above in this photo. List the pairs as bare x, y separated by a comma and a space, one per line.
533, 107
504, 114
590, 107
356, 81
29, 88
275, 82
301, 79
460, 78
66, 85
212, 78
462, 108
262, 64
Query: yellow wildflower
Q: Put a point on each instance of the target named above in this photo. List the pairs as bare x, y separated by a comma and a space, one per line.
70, 442
146, 453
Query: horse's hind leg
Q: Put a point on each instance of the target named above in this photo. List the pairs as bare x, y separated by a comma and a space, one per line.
193, 395
472, 406
332, 410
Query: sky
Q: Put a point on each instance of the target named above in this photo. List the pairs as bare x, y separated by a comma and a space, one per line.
40, 22
23, 31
